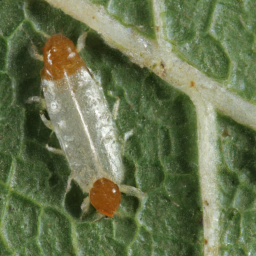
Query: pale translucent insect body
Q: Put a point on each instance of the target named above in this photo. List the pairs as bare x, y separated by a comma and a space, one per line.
80, 117
84, 126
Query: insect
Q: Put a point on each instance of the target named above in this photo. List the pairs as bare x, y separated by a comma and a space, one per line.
80, 117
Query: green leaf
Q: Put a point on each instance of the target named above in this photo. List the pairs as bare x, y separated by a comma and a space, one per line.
184, 73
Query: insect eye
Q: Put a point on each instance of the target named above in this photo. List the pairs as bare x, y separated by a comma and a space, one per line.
105, 196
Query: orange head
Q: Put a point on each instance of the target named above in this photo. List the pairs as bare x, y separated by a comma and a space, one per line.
105, 196
60, 58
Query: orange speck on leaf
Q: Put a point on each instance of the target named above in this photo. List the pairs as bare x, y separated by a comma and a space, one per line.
192, 84
206, 202
225, 132
60, 58
105, 196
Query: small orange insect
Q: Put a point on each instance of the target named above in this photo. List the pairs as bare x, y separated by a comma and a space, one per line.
80, 117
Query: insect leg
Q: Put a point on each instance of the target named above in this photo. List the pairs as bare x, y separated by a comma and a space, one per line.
99, 216
116, 105
46, 122
116, 108
81, 41
85, 206
33, 99
127, 136
37, 100
34, 53
55, 150
131, 191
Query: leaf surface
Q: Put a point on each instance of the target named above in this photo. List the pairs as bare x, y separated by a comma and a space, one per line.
184, 73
